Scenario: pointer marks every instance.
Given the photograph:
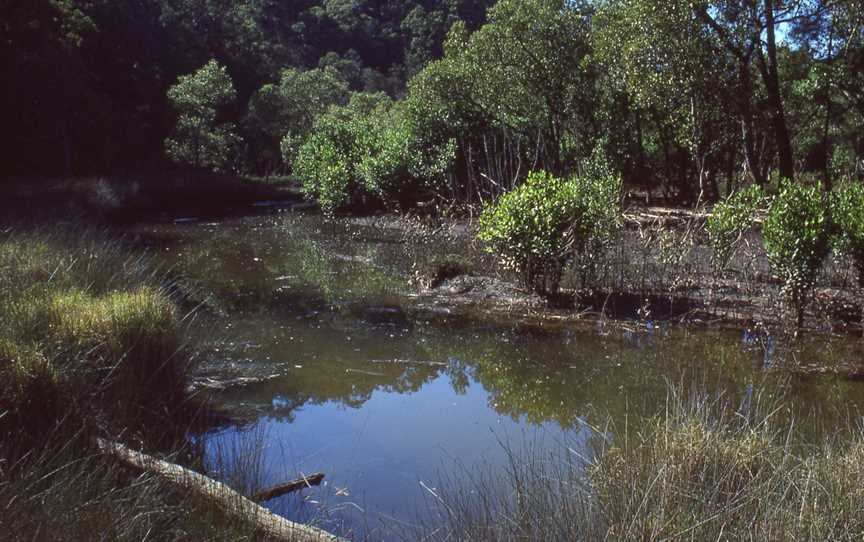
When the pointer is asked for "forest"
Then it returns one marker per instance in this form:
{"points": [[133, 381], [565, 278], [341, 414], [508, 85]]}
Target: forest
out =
{"points": [[689, 100]]}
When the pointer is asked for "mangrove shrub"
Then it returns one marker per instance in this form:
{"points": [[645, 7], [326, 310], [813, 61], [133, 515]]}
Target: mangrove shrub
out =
{"points": [[363, 152], [797, 239], [848, 214], [200, 137], [542, 225], [730, 219], [281, 115]]}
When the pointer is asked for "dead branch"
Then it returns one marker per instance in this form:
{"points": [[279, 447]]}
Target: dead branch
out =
{"points": [[236, 505], [288, 487]]}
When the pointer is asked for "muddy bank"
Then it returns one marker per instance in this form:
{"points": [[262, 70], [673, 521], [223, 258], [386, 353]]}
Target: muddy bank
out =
{"points": [[234, 245], [658, 269]]}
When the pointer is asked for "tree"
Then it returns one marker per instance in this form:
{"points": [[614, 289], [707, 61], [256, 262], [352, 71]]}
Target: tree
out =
{"points": [[747, 30], [533, 75], [515, 95], [47, 96], [201, 138], [286, 112]]}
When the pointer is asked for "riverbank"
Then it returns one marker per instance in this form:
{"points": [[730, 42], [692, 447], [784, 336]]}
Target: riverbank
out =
{"points": [[258, 271], [657, 268], [92, 350]]}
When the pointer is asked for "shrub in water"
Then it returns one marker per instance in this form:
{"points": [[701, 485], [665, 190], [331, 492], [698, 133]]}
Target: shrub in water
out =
{"points": [[797, 238], [730, 219], [540, 227], [848, 213]]}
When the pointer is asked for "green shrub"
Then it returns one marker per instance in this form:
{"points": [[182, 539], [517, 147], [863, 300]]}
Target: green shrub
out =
{"points": [[797, 239], [200, 138], [848, 213], [354, 153], [546, 222], [730, 219], [363, 151]]}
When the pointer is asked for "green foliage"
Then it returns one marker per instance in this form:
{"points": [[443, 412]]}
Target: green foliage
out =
{"points": [[847, 207], [280, 116], [546, 222], [797, 238], [518, 90], [730, 219], [200, 137], [362, 151]]}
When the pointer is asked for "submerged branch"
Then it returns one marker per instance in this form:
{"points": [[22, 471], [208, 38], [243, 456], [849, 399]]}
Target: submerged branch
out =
{"points": [[288, 487]]}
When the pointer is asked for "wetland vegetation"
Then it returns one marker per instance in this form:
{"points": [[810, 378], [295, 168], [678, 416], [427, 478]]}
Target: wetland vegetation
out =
{"points": [[502, 270]]}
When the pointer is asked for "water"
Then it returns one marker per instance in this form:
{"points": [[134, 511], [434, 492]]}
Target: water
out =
{"points": [[388, 403]]}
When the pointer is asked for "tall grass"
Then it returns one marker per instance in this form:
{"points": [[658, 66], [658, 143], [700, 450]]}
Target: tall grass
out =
{"points": [[90, 345], [59, 493], [704, 470], [87, 333]]}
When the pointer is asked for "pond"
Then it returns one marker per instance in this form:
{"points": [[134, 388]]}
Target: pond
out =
{"points": [[344, 375]]}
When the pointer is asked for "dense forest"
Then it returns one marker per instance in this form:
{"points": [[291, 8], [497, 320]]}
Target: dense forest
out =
{"points": [[460, 99], [86, 81]]}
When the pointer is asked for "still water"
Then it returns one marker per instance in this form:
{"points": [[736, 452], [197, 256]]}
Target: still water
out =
{"points": [[391, 403]]}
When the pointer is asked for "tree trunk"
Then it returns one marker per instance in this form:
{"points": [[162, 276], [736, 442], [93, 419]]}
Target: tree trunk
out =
{"points": [[746, 111], [772, 86], [826, 128], [641, 163]]}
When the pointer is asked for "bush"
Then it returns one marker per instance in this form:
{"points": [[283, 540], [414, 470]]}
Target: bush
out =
{"points": [[730, 219], [281, 115], [200, 138], [848, 213], [363, 151], [797, 239], [546, 222], [354, 153]]}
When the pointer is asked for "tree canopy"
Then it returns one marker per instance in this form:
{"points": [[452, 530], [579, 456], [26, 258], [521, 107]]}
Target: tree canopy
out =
{"points": [[690, 99]]}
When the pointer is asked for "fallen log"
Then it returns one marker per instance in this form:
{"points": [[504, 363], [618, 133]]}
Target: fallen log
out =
{"points": [[288, 487], [231, 502]]}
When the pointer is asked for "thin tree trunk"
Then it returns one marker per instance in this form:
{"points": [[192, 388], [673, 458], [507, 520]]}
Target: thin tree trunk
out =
{"points": [[772, 86], [826, 142]]}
